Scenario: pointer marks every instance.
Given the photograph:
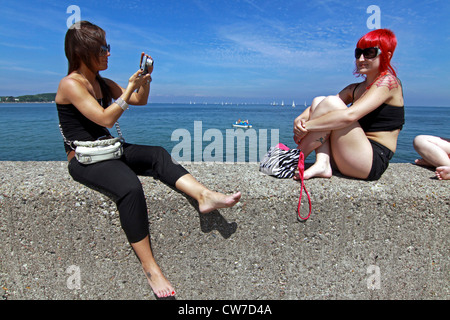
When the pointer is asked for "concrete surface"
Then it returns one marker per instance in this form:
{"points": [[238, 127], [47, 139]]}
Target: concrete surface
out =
{"points": [[365, 240]]}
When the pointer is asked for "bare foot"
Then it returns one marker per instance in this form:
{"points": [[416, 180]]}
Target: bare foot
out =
{"points": [[443, 173], [422, 162], [159, 284], [319, 170], [212, 200]]}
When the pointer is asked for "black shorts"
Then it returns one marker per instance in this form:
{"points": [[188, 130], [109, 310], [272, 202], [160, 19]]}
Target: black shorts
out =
{"points": [[380, 162]]}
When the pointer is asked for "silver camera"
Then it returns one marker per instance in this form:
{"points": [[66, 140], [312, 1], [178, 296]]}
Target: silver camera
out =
{"points": [[146, 63]]}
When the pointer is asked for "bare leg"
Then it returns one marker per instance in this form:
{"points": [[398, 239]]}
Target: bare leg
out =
{"points": [[322, 167], [318, 141], [207, 200], [159, 284], [434, 151], [343, 145]]}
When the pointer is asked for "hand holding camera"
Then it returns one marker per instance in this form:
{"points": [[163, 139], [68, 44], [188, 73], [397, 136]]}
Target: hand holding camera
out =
{"points": [[146, 64], [145, 68]]}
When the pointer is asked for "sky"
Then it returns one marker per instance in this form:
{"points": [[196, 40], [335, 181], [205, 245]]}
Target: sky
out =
{"points": [[230, 51]]}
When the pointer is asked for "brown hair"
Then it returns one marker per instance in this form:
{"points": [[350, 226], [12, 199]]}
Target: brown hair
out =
{"points": [[82, 44]]}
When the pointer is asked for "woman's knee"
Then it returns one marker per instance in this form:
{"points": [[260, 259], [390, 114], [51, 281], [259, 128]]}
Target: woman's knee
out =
{"points": [[134, 191], [419, 141], [334, 102], [327, 104], [316, 101]]}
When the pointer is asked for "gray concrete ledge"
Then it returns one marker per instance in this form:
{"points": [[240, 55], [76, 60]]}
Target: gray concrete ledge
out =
{"points": [[365, 240]]}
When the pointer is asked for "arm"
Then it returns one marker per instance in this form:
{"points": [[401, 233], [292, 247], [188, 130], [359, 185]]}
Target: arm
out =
{"points": [[77, 94], [304, 116], [346, 95], [380, 92], [139, 98], [135, 98], [299, 124]]}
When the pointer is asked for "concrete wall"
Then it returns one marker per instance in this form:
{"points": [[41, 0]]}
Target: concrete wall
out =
{"points": [[365, 240]]}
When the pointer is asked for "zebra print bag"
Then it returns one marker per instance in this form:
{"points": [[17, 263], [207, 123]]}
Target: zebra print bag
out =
{"points": [[281, 162]]}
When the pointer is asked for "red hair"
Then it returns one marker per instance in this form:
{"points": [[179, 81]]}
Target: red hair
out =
{"points": [[384, 39]]}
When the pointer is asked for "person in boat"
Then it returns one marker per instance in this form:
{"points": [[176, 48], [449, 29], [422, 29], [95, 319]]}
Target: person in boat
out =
{"points": [[359, 139], [85, 110]]}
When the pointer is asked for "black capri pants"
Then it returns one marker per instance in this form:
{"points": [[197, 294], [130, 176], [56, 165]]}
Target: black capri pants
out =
{"points": [[118, 180]]}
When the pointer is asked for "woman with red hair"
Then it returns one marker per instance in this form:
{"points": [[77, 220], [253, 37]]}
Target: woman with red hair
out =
{"points": [[357, 129]]}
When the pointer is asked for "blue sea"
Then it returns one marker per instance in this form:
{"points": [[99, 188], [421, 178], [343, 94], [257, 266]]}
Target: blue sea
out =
{"points": [[30, 132]]}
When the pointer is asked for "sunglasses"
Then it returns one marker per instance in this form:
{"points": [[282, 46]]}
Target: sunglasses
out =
{"points": [[369, 53], [104, 50]]}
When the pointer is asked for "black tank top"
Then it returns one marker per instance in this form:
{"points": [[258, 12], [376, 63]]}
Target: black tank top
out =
{"points": [[75, 126], [384, 118]]}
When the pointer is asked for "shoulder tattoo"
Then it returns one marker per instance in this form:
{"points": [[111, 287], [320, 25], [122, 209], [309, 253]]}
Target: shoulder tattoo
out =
{"points": [[388, 81]]}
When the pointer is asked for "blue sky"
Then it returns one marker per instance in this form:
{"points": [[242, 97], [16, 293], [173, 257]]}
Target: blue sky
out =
{"points": [[236, 50]]}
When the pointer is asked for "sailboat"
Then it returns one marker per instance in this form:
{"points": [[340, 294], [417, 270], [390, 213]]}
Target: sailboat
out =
{"points": [[293, 104]]}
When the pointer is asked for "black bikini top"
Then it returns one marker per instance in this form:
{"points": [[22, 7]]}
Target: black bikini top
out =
{"points": [[384, 118]]}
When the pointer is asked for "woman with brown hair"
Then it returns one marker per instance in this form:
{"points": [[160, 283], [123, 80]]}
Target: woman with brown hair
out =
{"points": [[85, 110]]}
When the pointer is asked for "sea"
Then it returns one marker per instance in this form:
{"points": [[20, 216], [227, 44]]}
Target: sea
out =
{"points": [[193, 131]]}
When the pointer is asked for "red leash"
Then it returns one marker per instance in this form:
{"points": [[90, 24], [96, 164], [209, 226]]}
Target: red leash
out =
{"points": [[301, 171]]}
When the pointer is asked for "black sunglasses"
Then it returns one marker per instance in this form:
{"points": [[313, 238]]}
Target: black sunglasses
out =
{"points": [[104, 50], [369, 53]]}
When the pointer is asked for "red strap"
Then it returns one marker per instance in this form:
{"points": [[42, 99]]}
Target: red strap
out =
{"points": [[301, 171]]}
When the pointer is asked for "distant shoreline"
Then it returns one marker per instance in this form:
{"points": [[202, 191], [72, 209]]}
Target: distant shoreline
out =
{"points": [[23, 102], [32, 98]]}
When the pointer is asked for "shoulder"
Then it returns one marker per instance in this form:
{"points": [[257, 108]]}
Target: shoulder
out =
{"points": [[351, 88], [71, 82], [346, 94], [388, 81], [67, 86]]}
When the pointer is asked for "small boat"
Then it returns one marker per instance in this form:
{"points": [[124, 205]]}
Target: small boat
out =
{"points": [[242, 124]]}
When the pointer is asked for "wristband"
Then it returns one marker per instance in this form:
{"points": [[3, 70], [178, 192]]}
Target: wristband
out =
{"points": [[122, 104]]}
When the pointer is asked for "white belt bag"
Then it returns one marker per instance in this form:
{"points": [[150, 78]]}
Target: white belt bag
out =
{"points": [[89, 152]]}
